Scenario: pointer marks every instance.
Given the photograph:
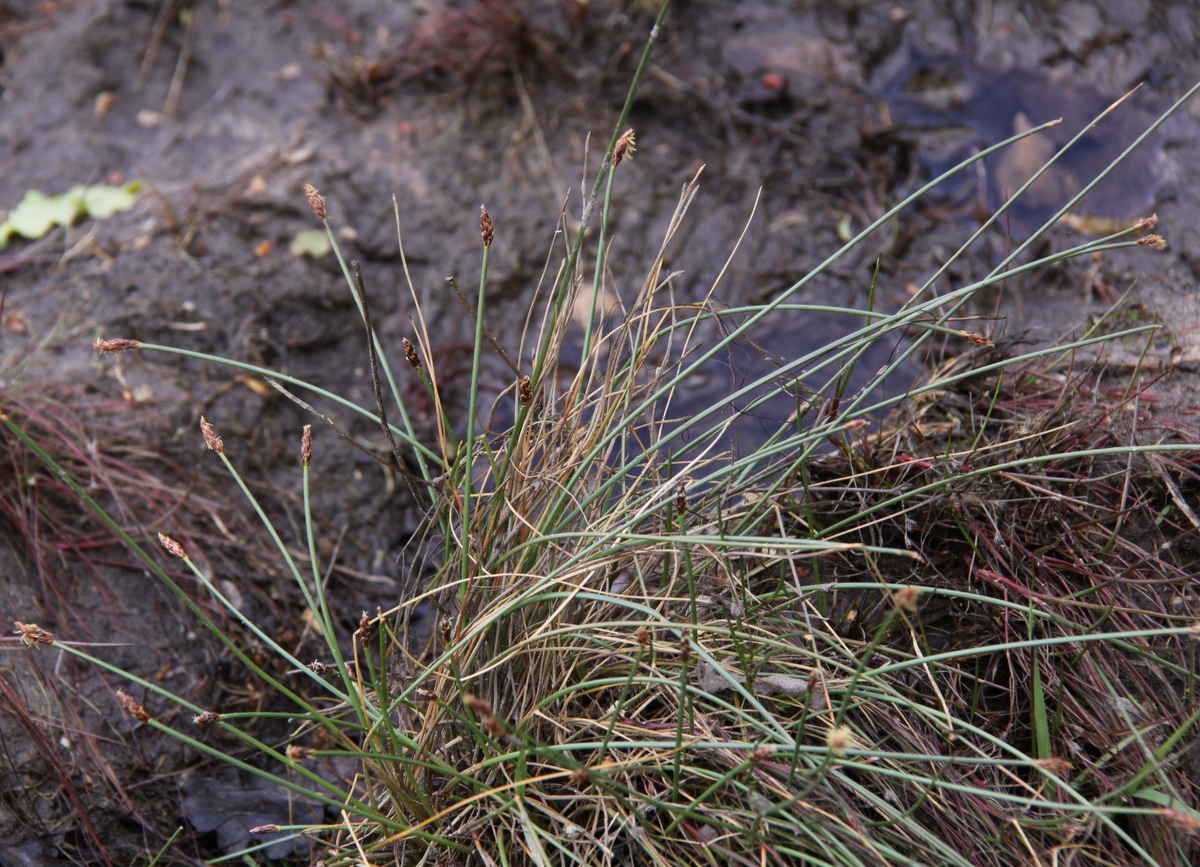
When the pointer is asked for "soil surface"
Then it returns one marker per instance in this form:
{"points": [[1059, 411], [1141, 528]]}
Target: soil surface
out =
{"points": [[809, 119]]}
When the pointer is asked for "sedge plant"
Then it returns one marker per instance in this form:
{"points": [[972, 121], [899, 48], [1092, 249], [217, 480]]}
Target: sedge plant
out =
{"points": [[947, 639]]}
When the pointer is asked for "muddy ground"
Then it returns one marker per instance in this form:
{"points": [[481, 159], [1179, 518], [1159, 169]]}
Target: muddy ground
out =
{"points": [[825, 113]]}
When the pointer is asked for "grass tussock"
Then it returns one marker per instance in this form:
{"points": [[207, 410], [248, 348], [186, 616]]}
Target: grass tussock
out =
{"points": [[985, 657], [964, 636]]}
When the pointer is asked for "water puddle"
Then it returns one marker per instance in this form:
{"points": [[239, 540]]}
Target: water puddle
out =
{"points": [[954, 110], [786, 335]]}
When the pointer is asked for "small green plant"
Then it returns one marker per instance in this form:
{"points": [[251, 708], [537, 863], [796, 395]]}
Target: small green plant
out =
{"points": [[36, 214], [918, 645]]}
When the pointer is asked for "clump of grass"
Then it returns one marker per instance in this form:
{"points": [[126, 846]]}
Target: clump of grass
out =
{"points": [[966, 637]]}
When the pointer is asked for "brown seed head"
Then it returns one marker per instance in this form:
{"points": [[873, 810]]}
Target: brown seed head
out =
{"points": [[1155, 241], [410, 352], [494, 727], [481, 706], [680, 498], [211, 439], [306, 445], [172, 546], [317, 202], [426, 694], [643, 636], [258, 830], [318, 667], [526, 390], [906, 599], [625, 147], [1146, 223], [1187, 822], [685, 652], [811, 683], [132, 706], [976, 338], [116, 344], [205, 718], [580, 777], [32, 634], [297, 753], [445, 628], [364, 630], [485, 226]]}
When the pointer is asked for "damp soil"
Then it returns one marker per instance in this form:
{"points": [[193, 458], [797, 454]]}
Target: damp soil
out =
{"points": [[807, 119]]}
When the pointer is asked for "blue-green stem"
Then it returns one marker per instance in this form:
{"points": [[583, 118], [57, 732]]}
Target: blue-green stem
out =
{"points": [[569, 271], [322, 610], [409, 440], [598, 276], [469, 443], [383, 358]]}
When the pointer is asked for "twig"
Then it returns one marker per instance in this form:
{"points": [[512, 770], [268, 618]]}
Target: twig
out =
{"points": [[374, 356], [492, 340], [156, 37], [387, 431], [181, 65]]}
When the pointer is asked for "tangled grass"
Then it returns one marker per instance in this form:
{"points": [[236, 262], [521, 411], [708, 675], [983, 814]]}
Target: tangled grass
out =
{"points": [[966, 636]]}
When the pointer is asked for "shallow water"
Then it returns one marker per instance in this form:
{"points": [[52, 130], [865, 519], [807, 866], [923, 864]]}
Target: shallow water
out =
{"points": [[956, 109]]}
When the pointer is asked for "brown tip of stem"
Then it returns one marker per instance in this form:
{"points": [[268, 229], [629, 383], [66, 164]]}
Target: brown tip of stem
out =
{"points": [[976, 338], [625, 147], [494, 727], [364, 630], [526, 390], [1155, 241], [306, 445], [906, 599], [211, 439], [116, 344], [316, 201], [485, 226], [205, 718], [481, 706], [32, 634], [410, 352], [132, 706], [172, 546]]}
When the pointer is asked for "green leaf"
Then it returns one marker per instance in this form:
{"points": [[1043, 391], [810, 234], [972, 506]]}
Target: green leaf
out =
{"points": [[1154, 796], [101, 202], [312, 242], [36, 213]]}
